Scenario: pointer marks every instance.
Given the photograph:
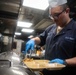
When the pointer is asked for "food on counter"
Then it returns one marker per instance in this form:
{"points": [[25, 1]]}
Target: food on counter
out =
{"points": [[38, 53]]}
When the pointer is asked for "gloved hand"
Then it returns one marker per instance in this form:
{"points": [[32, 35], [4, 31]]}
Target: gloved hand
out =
{"points": [[30, 45], [57, 60]]}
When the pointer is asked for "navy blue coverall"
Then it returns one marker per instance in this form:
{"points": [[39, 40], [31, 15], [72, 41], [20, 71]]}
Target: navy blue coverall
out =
{"points": [[61, 45]]}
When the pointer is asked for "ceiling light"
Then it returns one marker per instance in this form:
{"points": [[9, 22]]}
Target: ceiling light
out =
{"points": [[27, 30], [24, 24], [38, 4], [17, 33]]}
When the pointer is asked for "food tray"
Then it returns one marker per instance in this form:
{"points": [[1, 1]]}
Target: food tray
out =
{"points": [[42, 64]]}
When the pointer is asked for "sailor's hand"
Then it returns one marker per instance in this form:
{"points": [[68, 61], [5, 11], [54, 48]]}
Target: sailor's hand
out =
{"points": [[30, 45], [57, 60]]}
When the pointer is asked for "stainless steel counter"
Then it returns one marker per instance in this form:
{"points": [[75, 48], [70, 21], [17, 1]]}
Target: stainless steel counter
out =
{"points": [[11, 64]]}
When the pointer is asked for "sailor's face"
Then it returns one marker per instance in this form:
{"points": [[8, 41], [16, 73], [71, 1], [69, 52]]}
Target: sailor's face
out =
{"points": [[57, 14]]}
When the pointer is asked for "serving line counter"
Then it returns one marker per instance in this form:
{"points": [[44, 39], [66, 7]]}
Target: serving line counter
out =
{"points": [[11, 64]]}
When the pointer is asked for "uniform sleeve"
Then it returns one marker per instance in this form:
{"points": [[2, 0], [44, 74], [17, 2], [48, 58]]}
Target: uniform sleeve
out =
{"points": [[75, 41], [43, 35]]}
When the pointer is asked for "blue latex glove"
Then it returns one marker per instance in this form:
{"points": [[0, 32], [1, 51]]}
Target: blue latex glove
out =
{"points": [[57, 60], [30, 45]]}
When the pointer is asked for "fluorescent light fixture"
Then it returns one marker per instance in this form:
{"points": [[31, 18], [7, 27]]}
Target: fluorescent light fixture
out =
{"points": [[27, 30], [17, 33], [24, 24], [38, 4]]}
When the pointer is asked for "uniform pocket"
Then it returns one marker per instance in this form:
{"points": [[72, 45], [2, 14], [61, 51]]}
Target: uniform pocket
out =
{"points": [[69, 40]]}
